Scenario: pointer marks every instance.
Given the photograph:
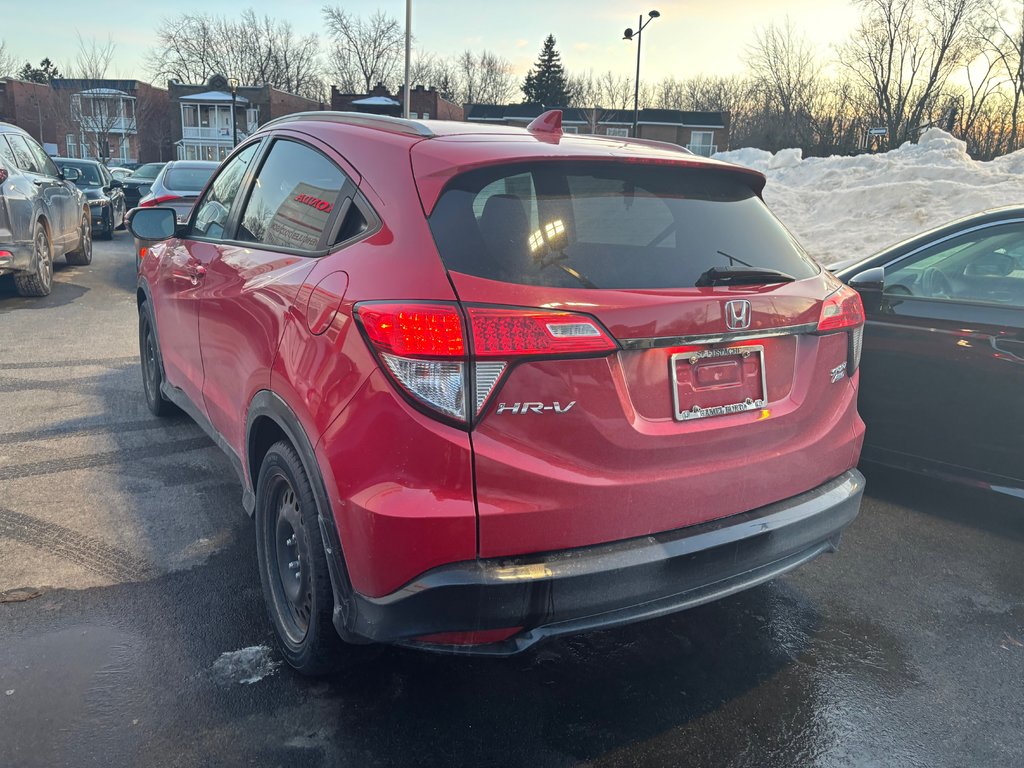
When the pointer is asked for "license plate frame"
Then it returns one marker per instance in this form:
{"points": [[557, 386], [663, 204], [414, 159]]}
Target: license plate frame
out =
{"points": [[695, 356]]}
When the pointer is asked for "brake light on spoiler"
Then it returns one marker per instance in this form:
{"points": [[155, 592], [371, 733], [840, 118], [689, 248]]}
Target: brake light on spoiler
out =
{"points": [[451, 363], [158, 201]]}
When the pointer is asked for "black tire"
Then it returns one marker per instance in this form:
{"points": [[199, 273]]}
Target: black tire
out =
{"points": [[108, 227], [293, 567], [82, 256], [39, 282], [152, 365]]}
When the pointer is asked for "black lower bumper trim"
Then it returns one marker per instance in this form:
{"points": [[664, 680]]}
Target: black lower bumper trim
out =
{"points": [[607, 585]]}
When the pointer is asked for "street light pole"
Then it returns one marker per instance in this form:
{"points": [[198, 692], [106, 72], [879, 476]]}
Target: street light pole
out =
{"points": [[233, 82], [629, 35], [408, 50]]}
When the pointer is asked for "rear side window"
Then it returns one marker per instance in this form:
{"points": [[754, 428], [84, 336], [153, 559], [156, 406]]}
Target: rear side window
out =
{"points": [[608, 225], [23, 157], [187, 179], [293, 198]]}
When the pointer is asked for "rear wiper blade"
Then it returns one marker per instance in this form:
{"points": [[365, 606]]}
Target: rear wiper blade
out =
{"points": [[741, 275]]}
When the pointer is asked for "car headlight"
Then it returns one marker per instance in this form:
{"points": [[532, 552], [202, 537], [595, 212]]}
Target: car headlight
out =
{"points": [[100, 201]]}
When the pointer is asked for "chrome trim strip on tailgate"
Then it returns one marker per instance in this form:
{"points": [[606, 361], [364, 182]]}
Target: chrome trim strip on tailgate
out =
{"points": [[657, 342]]}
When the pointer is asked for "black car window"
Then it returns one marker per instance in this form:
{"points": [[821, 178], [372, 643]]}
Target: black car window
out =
{"points": [[89, 175], [147, 172], [7, 156], [292, 200], [608, 225], [43, 162], [212, 211], [187, 178], [984, 266], [23, 156]]}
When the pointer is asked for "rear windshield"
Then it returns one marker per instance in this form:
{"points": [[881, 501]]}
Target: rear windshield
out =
{"points": [[607, 225], [187, 179], [147, 171]]}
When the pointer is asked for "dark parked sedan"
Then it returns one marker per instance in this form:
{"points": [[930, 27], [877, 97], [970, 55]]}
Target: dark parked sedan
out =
{"points": [[943, 363], [137, 185], [104, 193]]}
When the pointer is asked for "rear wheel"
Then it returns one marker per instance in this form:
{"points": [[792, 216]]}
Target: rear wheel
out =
{"points": [[293, 566], [152, 366], [39, 282], [82, 256]]}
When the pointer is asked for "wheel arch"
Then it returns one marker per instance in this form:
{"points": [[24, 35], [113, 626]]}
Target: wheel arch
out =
{"points": [[271, 419]]}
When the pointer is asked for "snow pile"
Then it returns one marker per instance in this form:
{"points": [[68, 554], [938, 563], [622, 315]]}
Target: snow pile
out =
{"points": [[246, 666], [845, 207]]}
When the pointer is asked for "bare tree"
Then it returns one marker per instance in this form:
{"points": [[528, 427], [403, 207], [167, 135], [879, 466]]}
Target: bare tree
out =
{"points": [[784, 69], [364, 52], [1004, 39], [485, 78], [904, 52], [93, 59], [8, 62], [256, 50]]}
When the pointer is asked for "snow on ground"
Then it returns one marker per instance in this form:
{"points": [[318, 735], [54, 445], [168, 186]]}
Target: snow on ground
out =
{"points": [[845, 207], [245, 666]]}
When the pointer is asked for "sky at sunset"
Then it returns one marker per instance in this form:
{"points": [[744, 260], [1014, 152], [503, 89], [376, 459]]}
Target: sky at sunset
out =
{"points": [[690, 37]]}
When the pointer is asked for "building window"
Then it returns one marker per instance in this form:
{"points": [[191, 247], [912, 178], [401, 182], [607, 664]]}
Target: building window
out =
{"points": [[702, 143], [252, 119], [570, 129], [426, 115], [624, 132], [72, 144], [414, 115], [189, 116]]}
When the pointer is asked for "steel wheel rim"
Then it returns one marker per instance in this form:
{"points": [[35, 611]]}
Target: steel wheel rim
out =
{"points": [[289, 560], [45, 268]]}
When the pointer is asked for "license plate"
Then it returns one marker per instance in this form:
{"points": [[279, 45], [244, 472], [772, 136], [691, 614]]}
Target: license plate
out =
{"points": [[717, 382]]}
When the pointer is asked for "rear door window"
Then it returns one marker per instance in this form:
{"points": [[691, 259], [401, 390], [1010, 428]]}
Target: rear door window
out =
{"points": [[293, 199], [608, 225]]}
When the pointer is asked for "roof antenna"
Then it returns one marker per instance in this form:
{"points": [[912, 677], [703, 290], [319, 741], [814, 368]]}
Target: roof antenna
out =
{"points": [[549, 122]]}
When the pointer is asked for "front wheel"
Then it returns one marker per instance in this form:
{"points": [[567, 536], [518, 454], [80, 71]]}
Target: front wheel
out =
{"points": [[152, 366], [293, 565], [108, 226]]}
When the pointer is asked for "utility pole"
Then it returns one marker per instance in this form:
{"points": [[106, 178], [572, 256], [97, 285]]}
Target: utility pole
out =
{"points": [[629, 34], [408, 52]]}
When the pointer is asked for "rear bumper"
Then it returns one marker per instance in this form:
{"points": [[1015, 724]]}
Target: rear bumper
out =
{"points": [[20, 259], [571, 591]]}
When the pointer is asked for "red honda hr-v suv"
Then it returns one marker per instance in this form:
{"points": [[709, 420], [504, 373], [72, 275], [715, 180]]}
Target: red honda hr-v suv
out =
{"points": [[488, 385]]}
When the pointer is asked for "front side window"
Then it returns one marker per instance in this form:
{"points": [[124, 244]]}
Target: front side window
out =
{"points": [[291, 202], [608, 225], [985, 266], [212, 212]]}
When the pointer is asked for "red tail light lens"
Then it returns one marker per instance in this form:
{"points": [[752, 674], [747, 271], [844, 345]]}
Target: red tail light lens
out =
{"points": [[3, 175], [424, 348], [843, 309], [158, 201], [514, 332]]}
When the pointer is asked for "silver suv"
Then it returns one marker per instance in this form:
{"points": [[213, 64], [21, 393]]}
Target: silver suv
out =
{"points": [[43, 215]]}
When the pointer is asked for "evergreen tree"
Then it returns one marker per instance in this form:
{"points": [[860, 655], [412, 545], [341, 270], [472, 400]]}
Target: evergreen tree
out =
{"points": [[546, 82], [44, 73]]}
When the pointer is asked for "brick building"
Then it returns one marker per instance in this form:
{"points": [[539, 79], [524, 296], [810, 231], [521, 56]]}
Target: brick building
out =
{"points": [[202, 114], [115, 120], [703, 133], [424, 103]]}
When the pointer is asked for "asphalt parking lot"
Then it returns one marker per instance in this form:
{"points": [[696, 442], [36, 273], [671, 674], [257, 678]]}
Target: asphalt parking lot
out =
{"points": [[132, 628]]}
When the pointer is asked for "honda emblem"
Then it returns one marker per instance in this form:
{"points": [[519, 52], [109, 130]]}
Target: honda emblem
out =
{"points": [[737, 315]]}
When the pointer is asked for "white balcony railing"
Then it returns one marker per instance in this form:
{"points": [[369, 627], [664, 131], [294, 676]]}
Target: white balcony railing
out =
{"points": [[704, 150], [207, 133], [108, 124]]}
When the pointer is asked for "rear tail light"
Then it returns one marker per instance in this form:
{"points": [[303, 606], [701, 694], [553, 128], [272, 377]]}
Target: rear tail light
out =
{"points": [[844, 311], [158, 201], [3, 175], [427, 351]]}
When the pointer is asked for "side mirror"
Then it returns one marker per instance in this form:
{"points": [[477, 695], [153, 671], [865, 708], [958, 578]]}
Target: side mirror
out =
{"points": [[152, 223], [70, 174], [869, 280], [116, 184]]}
